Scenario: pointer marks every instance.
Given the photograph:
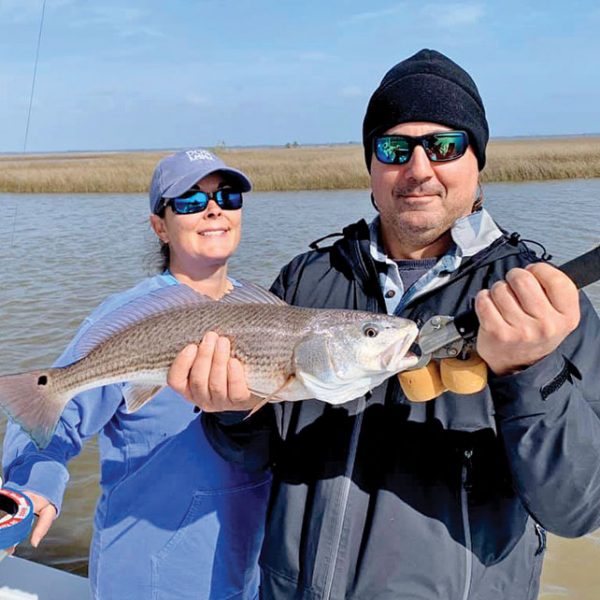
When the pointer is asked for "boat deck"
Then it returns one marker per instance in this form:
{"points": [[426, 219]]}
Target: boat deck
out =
{"points": [[25, 580]]}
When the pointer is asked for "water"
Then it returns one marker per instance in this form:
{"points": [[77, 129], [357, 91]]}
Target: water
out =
{"points": [[62, 254]]}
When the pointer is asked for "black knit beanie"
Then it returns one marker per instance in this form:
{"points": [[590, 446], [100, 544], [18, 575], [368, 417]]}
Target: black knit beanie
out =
{"points": [[427, 87]]}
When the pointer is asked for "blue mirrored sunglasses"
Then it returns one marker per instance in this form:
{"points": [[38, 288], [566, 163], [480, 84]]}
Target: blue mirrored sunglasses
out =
{"points": [[439, 147], [195, 201]]}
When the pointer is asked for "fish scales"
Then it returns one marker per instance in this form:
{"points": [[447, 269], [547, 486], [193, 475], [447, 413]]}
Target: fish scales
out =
{"points": [[288, 353], [152, 344]]}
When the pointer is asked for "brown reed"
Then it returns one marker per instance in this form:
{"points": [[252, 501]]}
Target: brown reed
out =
{"points": [[289, 168]]}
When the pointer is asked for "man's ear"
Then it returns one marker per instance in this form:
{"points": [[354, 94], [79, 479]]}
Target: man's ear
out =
{"points": [[478, 204], [158, 225]]}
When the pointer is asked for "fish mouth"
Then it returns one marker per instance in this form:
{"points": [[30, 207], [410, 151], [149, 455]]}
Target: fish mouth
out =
{"points": [[398, 356]]}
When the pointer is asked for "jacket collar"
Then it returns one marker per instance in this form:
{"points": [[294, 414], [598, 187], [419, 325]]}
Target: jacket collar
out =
{"points": [[470, 235], [477, 240]]}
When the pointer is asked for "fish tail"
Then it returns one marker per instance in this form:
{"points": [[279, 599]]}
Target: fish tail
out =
{"points": [[30, 400]]}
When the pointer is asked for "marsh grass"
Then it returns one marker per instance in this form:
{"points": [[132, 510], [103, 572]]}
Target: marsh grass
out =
{"points": [[294, 168], [543, 158]]}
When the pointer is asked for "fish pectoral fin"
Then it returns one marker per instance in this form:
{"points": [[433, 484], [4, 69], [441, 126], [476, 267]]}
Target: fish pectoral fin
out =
{"points": [[136, 395], [271, 397], [256, 408]]}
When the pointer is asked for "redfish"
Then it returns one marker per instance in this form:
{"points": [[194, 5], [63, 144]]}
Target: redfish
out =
{"points": [[289, 353]]}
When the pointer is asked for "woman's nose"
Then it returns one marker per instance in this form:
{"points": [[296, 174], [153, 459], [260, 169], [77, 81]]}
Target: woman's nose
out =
{"points": [[212, 209]]}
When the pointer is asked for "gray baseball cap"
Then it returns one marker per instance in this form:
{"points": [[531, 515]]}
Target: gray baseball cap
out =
{"points": [[176, 174]]}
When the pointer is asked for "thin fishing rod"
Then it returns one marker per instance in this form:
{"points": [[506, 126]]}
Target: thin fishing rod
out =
{"points": [[35, 66]]}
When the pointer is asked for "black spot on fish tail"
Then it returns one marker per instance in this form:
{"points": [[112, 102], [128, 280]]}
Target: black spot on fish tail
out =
{"points": [[29, 400]]}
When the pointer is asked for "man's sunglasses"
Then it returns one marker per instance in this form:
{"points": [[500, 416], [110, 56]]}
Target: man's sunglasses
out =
{"points": [[195, 201], [439, 147]]}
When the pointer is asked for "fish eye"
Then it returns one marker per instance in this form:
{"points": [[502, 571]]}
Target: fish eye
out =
{"points": [[370, 331]]}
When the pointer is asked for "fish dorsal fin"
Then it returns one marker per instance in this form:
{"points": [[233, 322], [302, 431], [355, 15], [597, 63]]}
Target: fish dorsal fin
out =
{"points": [[163, 300], [148, 305], [136, 395], [250, 293]]}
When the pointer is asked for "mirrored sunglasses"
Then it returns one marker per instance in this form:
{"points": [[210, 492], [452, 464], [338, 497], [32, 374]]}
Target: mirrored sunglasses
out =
{"points": [[439, 147], [195, 201]]}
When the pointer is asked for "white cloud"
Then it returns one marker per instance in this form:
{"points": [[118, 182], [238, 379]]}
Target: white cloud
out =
{"points": [[17, 10], [453, 15], [142, 31], [197, 100], [594, 14], [351, 91], [126, 21], [316, 56], [24, 11], [374, 15], [440, 14], [108, 15]]}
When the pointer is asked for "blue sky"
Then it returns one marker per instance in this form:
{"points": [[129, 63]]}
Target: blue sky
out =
{"points": [[148, 74]]}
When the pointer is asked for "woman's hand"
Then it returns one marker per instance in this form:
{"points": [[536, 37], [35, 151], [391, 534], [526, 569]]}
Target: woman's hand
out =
{"points": [[208, 376], [525, 317], [46, 513]]}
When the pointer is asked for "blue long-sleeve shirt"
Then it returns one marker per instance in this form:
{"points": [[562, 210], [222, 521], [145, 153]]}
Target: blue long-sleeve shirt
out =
{"points": [[174, 520]]}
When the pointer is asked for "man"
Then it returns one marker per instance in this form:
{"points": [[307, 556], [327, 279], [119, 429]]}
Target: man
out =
{"points": [[383, 498]]}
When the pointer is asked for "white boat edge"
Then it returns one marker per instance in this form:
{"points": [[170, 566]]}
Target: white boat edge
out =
{"points": [[22, 579]]}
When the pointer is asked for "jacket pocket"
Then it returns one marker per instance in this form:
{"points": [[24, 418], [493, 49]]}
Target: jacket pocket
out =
{"points": [[213, 554]]}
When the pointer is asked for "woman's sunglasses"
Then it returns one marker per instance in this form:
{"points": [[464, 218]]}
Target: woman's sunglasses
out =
{"points": [[439, 147], [195, 201]]}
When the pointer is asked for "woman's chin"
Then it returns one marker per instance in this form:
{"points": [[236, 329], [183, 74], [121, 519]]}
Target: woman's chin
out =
{"points": [[216, 254], [223, 246]]}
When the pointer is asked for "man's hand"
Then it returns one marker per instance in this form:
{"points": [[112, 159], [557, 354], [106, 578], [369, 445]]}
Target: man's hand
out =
{"points": [[525, 317], [207, 376], [46, 513]]}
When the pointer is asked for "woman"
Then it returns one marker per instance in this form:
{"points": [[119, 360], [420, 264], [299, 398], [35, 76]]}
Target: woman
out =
{"points": [[174, 520]]}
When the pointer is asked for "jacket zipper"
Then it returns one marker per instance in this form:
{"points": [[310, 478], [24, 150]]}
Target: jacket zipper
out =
{"points": [[466, 473], [465, 488], [343, 505], [541, 534], [346, 484]]}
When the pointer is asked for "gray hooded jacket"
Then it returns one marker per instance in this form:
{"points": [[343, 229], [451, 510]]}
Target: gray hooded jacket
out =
{"points": [[450, 499]]}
